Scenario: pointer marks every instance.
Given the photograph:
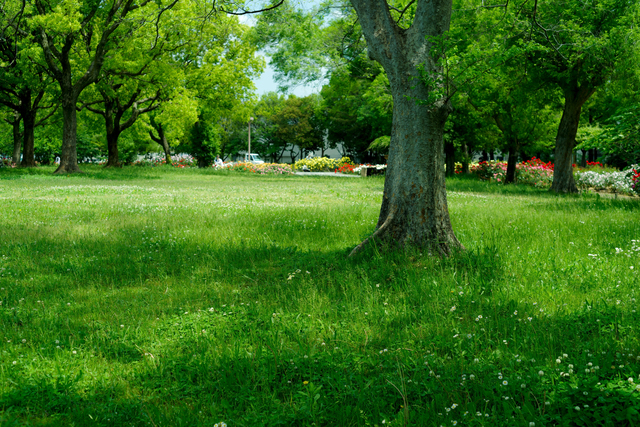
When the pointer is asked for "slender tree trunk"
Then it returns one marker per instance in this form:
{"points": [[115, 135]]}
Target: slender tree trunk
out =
{"points": [[113, 133], [450, 158], [69, 153], [17, 139], [465, 159], [28, 151], [512, 162], [161, 139], [574, 99]]}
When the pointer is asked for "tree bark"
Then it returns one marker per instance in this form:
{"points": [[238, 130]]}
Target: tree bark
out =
{"points": [[113, 133], [450, 158], [512, 162], [465, 156], [69, 153], [28, 151], [161, 139], [414, 206], [574, 99], [17, 138]]}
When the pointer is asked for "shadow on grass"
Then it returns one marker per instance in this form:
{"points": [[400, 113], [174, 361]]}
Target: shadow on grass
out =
{"points": [[249, 368], [199, 381]]}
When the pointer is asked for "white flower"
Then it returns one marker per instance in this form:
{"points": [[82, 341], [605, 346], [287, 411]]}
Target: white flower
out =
{"points": [[541, 373]]}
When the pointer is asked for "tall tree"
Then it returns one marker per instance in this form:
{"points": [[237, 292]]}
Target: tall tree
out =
{"points": [[75, 39], [23, 81], [414, 206]]}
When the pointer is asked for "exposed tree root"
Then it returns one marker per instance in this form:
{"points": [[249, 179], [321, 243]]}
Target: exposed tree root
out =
{"points": [[65, 169], [377, 234]]}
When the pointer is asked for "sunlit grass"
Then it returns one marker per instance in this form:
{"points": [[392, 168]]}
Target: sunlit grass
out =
{"points": [[167, 297]]}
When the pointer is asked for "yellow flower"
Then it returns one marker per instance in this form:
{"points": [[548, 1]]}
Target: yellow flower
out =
{"points": [[306, 382]]}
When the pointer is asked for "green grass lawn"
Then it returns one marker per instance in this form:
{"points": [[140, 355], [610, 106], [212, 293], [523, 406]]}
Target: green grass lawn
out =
{"points": [[167, 297]]}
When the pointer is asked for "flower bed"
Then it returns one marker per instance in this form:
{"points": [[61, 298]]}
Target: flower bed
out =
{"points": [[262, 169], [535, 172], [490, 170], [322, 164], [179, 161], [624, 182], [381, 168]]}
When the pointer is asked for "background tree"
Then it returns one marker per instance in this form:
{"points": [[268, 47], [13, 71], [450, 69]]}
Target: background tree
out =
{"points": [[297, 125], [23, 82], [577, 46]]}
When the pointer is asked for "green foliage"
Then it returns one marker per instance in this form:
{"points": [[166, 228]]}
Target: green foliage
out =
{"points": [[46, 147], [204, 143], [86, 148], [620, 138], [380, 144]]}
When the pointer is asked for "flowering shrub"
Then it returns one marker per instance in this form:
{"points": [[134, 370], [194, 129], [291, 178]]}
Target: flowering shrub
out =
{"points": [[532, 172], [490, 170], [322, 164], [346, 168], [625, 182], [535, 172]]}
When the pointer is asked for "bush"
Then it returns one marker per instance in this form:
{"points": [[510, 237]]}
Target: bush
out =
{"points": [[490, 170], [535, 172], [625, 182]]}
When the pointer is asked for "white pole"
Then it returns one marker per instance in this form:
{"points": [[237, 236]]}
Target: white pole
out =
{"points": [[250, 120]]}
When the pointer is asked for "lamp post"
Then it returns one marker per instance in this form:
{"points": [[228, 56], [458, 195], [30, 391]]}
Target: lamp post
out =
{"points": [[249, 155]]}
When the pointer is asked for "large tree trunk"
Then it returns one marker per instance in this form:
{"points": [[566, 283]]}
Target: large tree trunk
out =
{"points": [[512, 162], [574, 99], [113, 159], [414, 205], [450, 158], [69, 153], [17, 139]]}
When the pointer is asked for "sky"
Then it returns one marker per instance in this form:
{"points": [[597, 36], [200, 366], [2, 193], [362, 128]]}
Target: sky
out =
{"points": [[266, 83]]}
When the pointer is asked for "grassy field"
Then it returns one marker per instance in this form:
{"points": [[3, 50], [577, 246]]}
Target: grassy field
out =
{"points": [[164, 297]]}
